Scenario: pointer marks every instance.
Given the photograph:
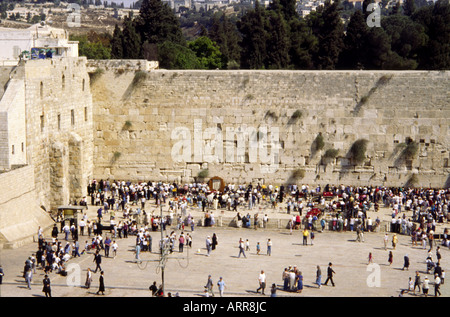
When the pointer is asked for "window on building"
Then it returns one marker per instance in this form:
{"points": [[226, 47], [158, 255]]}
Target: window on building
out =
{"points": [[23, 147], [12, 151], [59, 121], [41, 90], [42, 123], [63, 82], [82, 84], [85, 114]]}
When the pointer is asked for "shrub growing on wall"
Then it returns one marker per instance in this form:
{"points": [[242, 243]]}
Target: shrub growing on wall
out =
{"points": [[358, 151], [331, 153], [410, 150], [139, 77], [319, 143], [203, 174], [298, 174]]}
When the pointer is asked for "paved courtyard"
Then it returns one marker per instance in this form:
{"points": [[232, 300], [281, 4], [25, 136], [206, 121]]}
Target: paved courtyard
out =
{"points": [[186, 273]]}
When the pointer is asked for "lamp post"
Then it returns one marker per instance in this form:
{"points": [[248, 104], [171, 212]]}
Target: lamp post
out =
{"points": [[163, 253]]}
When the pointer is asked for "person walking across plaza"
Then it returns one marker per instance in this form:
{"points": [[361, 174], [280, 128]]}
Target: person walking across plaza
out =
{"points": [[209, 286], [88, 279], [46, 288], [137, 251], [114, 247], [241, 248], [262, 282], [107, 246], [437, 284], [221, 286], [319, 277], [330, 273], [390, 258], [417, 282], [305, 236], [98, 261], [269, 247], [101, 285], [406, 263], [426, 286], [394, 241], [208, 245], [215, 242]]}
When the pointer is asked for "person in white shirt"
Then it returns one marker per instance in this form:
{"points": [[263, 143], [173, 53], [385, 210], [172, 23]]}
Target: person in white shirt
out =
{"points": [[262, 282], [426, 286], [437, 284], [114, 248]]}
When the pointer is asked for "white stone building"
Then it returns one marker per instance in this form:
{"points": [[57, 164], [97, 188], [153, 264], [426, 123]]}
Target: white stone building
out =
{"points": [[39, 39]]}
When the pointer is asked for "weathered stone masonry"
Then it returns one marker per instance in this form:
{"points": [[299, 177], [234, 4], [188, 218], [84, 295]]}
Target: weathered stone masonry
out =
{"points": [[47, 124], [134, 122]]}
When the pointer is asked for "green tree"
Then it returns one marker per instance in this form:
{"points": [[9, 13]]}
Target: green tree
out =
{"points": [[176, 56], [354, 53], [435, 55], [329, 29], [91, 48], [117, 43], [409, 7], [157, 23], [131, 41], [377, 49], [303, 45], [277, 42], [288, 9], [407, 39], [254, 37], [207, 52], [225, 34]]}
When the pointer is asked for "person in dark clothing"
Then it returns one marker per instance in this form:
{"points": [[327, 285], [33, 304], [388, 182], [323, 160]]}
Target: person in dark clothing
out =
{"points": [[55, 232], [46, 289], [214, 241], [406, 263], [1, 274], [153, 288], [98, 261], [330, 273], [438, 270], [101, 287]]}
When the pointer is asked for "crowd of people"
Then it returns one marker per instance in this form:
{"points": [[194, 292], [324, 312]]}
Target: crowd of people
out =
{"points": [[346, 207]]}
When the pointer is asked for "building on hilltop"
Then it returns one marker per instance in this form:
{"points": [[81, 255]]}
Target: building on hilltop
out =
{"points": [[38, 41]]}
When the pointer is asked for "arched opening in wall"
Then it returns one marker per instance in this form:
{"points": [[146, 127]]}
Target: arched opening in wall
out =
{"points": [[63, 82], [41, 90], [82, 84]]}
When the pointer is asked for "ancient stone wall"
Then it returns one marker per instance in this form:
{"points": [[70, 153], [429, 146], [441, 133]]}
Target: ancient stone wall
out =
{"points": [[12, 120], [261, 126], [59, 127], [20, 213]]}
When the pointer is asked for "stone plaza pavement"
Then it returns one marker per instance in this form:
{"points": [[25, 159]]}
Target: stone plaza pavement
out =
{"points": [[186, 273]]}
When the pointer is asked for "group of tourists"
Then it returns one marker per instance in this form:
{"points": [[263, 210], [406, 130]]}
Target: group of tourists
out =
{"points": [[346, 205]]}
